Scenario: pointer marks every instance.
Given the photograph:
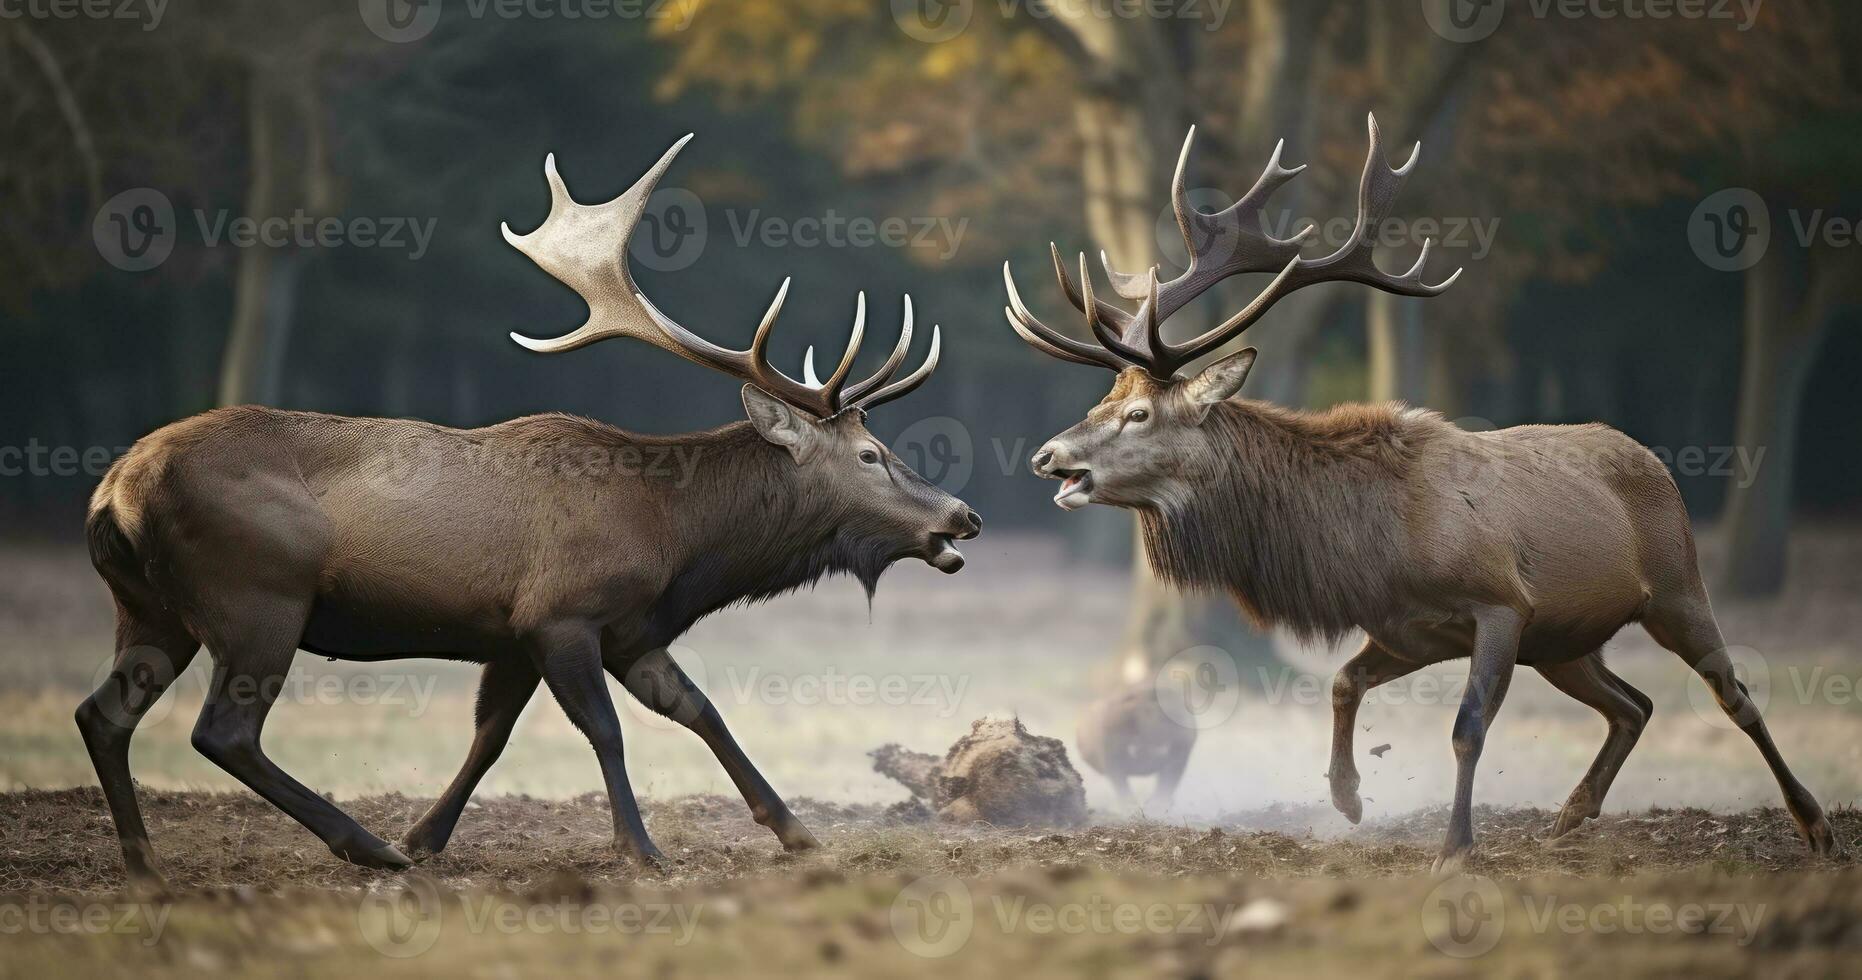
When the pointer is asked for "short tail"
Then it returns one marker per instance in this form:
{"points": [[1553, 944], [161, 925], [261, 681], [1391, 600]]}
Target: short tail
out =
{"points": [[109, 546]]}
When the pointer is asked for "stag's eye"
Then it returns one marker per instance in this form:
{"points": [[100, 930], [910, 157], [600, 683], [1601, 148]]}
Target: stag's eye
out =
{"points": [[868, 457], [1137, 415]]}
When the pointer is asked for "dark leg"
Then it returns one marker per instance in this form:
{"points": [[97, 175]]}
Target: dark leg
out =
{"points": [[1686, 626], [249, 666], [1623, 707], [1374, 665], [656, 680], [571, 666], [150, 656], [1169, 776], [503, 691], [1496, 645]]}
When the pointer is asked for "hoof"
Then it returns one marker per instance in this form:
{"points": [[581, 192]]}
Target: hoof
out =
{"points": [[1345, 800], [643, 859], [1449, 864], [147, 885], [421, 844], [380, 855], [1568, 821], [1821, 838], [798, 839]]}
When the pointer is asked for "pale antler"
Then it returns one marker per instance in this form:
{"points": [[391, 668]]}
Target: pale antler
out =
{"points": [[585, 247], [1223, 244]]}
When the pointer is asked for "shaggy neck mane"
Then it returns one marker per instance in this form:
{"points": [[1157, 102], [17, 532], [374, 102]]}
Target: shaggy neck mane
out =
{"points": [[749, 530], [1299, 516]]}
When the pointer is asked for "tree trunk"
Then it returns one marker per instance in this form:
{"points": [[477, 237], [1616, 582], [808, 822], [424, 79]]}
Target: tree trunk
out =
{"points": [[1780, 345], [1396, 348], [286, 169], [1131, 114]]}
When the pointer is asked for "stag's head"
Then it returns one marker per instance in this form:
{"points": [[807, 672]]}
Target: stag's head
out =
{"points": [[819, 425], [1143, 443]]}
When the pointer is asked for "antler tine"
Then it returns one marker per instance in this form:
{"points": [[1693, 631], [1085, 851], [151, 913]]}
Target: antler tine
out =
{"points": [[859, 389], [1377, 194], [577, 243], [906, 385], [1352, 262], [1230, 242], [1109, 337], [1048, 340], [832, 387], [1223, 244], [585, 247], [1106, 311], [1125, 284]]}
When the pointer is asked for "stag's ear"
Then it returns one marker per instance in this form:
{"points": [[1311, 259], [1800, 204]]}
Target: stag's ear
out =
{"points": [[1218, 382], [782, 424]]}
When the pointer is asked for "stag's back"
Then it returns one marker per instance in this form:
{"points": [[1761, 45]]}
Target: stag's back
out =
{"points": [[1579, 520]]}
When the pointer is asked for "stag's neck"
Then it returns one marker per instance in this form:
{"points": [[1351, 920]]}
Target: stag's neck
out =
{"points": [[744, 528], [1299, 516]]}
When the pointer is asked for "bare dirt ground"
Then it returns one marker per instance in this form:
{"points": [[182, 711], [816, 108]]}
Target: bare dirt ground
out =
{"points": [[1692, 869], [530, 885]]}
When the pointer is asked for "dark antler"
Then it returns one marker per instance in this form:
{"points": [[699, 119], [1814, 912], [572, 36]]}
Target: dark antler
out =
{"points": [[1223, 244]]}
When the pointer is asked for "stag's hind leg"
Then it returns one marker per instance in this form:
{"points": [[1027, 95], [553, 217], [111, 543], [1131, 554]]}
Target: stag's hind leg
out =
{"points": [[1374, 665], [251, 660], [1684, 624], [150, 653], [1626, 710], [658, 682]]}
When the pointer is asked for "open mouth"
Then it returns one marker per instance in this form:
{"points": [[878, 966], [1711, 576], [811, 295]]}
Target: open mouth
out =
{"points": [[943, 554], [1076, 489]]}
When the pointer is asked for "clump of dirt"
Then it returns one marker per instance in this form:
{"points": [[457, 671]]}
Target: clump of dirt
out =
{"points": [[999, 773]]}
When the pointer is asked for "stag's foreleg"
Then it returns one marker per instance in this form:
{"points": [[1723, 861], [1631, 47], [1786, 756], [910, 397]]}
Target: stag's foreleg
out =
{"points": [[659, 683], [1685, 625], [1626, 710], [251, 660], [1490, 671], [503, 690], [570, 662], [1374, 665], [151, 653]]}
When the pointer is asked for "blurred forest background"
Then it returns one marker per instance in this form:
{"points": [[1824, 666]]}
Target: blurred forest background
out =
{"points": [[1590, 147]]}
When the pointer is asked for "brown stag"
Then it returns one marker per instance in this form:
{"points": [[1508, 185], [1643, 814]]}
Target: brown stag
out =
{"points": [[539, 548], [1531, 545]]}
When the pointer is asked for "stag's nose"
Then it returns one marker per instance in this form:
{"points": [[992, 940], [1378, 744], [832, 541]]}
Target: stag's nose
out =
{"points": [[972, 520], [1042, 460]]}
